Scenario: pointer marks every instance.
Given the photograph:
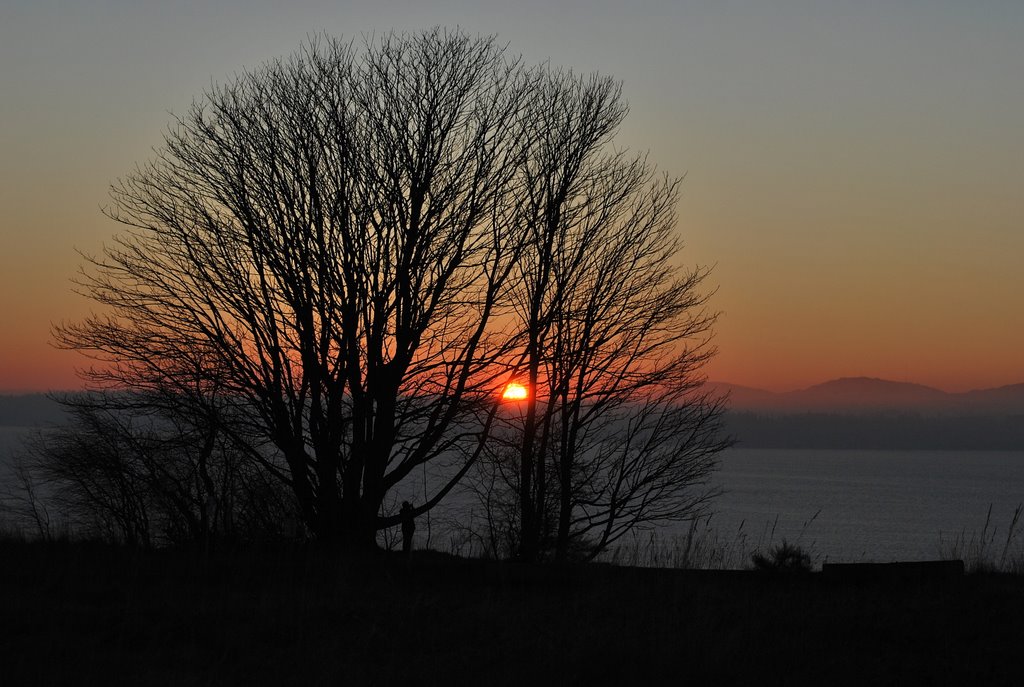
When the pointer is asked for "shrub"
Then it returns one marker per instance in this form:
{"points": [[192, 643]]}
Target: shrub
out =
{"points": [[785, 557]]}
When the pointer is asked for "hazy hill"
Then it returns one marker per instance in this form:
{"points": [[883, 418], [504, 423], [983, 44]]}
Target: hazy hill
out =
{"points": [[1005, 399], [867, 413], [860, 395]]}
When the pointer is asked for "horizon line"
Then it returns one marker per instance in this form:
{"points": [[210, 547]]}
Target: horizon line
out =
{"points": [[709, 381]]}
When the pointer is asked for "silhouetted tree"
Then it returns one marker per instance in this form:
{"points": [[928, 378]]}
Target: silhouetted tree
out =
{"points": [[615, 433], [326, 239], [135, 470], [351, 251]]}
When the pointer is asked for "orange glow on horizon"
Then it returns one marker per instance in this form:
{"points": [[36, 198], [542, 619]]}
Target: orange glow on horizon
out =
{"points": [[514, 391]]}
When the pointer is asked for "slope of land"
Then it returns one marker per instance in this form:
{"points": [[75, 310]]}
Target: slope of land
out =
{"points": [[95, 615]]}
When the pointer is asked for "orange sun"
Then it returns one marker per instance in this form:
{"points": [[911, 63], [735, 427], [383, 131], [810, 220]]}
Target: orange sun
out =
{"points": [[514, 392]]}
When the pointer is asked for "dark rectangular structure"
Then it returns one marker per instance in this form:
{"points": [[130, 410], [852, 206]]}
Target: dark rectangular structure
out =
{"points": [[915, 571]]}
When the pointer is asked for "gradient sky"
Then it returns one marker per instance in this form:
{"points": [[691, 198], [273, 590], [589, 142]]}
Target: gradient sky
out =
{"points": [[853, 169]]}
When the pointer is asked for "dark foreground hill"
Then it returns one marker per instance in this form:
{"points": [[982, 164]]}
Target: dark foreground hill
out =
{"points": [[75, 614]]}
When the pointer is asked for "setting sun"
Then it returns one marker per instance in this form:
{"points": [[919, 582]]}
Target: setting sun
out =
{"points": [[514, 391]]}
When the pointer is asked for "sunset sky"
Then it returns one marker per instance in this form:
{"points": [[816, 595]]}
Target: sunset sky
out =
{"points": [[853, 169]]}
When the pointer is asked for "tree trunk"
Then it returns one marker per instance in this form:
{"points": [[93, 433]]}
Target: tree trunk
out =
{"points": [[564, 518], [528, 540]]}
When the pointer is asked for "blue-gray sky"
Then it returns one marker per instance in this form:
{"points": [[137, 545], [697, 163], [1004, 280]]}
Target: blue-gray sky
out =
{"points": [[852, 168]]}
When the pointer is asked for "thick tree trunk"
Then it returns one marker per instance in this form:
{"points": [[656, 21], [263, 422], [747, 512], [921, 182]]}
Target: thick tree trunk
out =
{"points": [[359, 535]]}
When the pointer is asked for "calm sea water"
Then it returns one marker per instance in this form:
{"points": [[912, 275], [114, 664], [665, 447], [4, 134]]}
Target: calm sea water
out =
{"points": [[11, 441], [848, 506], [841, 505]]}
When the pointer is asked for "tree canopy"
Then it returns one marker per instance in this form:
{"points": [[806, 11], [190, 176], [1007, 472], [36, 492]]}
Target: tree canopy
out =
{"points": [[338, 259]]}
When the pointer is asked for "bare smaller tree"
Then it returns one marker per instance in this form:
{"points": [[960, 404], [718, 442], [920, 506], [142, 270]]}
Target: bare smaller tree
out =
{"points": [[122, 469], [615, 433]]}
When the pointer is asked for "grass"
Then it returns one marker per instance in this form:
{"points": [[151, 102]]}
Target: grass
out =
{"points": [[988, 550], [992, 549], [94, 614], [703, 547]]}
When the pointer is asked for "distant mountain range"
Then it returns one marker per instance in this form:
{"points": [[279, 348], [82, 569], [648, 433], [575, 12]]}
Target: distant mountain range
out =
{"points": [[860, 395]]}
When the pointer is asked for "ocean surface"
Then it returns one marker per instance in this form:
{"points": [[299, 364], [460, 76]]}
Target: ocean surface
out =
{"points": [[11, 444], [841, 506], [881, 506]]}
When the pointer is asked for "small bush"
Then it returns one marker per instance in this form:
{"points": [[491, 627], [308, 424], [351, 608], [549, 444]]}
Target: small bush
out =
{"points": [[785, 557]]}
